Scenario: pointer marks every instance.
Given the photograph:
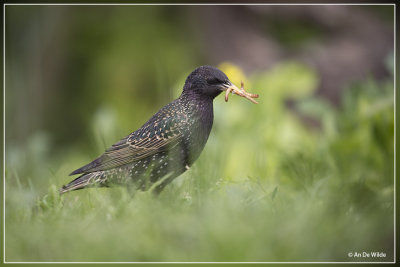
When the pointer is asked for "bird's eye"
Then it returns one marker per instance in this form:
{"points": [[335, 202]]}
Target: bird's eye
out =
{"points": [[214, 81]]}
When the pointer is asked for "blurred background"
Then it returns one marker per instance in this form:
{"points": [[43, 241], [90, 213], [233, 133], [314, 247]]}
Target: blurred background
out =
{"points": [[79, 78], [66, 62]]}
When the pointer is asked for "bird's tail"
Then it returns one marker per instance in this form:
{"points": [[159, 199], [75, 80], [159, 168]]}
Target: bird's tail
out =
{"points": [[79, 183]]}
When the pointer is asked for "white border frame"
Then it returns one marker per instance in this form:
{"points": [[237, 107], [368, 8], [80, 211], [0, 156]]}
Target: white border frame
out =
{"points": [[190, 4]]}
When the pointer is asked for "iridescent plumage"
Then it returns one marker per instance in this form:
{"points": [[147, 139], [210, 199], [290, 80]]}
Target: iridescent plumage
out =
{"points": [[166, 145]]}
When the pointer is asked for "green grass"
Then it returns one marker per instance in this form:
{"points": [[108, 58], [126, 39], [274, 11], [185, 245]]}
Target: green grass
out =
{"points": [[266, 188]]}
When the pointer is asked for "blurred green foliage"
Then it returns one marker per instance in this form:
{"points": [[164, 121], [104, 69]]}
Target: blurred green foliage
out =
{"points": [[294, 34], [267, 187], [63, 67]]}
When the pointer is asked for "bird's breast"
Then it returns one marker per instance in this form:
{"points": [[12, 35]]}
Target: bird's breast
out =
{"points": [[200, 121]]}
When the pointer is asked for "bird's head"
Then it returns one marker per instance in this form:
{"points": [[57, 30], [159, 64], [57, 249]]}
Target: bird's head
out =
{"points": [[209, 82]]}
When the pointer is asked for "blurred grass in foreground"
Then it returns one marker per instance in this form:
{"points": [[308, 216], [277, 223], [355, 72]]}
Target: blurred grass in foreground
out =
{"points": [[266, 188]]}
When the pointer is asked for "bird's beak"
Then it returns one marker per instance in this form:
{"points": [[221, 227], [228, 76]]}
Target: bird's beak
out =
{"points": [[240, 92]]}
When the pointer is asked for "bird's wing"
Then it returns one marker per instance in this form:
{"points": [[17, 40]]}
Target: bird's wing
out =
{"points": [[159, 135]]}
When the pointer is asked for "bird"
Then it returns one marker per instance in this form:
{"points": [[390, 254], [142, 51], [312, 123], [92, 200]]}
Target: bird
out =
{"points": [[166, 145]]}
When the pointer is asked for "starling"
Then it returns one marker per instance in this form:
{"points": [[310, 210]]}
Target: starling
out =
{"points": [[167, 144]]}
